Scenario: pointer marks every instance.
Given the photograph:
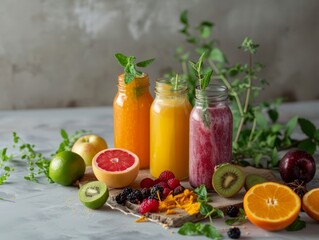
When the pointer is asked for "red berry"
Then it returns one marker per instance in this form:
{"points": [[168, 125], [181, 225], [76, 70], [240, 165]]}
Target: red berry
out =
{"points": [[149, 205], [166, 192], [166, 175], [147, 183], [156, 181], [173, 183], [162, 184]]}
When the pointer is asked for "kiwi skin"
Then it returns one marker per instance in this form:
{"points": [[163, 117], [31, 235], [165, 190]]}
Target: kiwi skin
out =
{"points": [[228, 174], [252, 180], [93, 194]]}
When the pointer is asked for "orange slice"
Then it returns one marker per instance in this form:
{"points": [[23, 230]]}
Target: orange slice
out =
{"points": [[310, 203], [116, 167], [271, 206]]}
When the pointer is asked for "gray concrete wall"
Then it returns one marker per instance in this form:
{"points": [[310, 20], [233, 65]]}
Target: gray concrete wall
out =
{"points": [[59, 53]]}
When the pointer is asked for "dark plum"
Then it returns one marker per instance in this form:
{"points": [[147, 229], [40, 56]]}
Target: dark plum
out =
{"points": [[297, 165]]}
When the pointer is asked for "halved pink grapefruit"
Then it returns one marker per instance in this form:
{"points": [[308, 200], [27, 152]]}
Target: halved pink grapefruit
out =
{"points": [[116, 167]]}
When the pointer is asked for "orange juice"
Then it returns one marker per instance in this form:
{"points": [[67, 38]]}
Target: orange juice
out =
{"points": [[169, 126], [131, 107]]}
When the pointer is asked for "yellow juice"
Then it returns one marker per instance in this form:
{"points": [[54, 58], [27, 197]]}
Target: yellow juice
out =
{"points": [[169, 134]]}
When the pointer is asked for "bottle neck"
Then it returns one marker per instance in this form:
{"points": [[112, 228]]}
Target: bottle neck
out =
{"points": [[139, 82], [164, 88], [212, 95]]}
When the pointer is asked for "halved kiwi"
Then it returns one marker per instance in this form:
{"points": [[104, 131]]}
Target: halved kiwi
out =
{"points": [[253, 179], [94, 194], [228, 179]]}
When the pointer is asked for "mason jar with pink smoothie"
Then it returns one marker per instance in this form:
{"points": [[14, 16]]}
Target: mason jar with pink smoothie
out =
{"points": [[210, 139]]}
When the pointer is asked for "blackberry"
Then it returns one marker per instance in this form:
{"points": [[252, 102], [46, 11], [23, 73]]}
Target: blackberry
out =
{"points": [[120, 198], [234, 233], [135, 196], [232, 211], [145, 192], [178, 190], [126, 191], [156, 191]]}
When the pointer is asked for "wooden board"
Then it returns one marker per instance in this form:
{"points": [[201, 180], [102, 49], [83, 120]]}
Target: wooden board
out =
{"points": [[181, 217]]}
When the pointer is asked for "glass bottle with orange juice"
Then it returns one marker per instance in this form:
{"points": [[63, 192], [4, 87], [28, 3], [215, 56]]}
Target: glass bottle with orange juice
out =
{"points": [[131, 108], [169, 129]]}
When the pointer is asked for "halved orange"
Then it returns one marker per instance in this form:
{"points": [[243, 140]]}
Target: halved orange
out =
{"points": [[271, 206], [310, 203]]}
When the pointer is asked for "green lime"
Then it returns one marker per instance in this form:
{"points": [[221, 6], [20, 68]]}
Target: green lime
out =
{"points": [[66, 167]]}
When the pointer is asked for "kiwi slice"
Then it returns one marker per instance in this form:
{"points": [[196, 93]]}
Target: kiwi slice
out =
{"points": [[228, 179], [94, 194], [252, 180]]}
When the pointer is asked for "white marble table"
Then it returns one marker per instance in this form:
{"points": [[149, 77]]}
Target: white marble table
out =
{"points": [[50, 211]]}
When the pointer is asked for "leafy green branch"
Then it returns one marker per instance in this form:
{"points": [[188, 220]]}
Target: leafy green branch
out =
{"points": [[257, 133], [206, 210], [37, 164]]}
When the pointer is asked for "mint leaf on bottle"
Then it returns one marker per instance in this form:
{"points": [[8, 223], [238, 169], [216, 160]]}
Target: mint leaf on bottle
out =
{"points": [[130, 71]]}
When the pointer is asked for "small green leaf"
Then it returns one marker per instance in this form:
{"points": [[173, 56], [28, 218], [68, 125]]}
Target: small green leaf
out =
{"points": [[211, 232], [217, 55], [291, 125], [205, 29], [121, 58], [316, 136], [189, 229], [296, 225], [64, 134], [260, 120], [184, 17], [205, 81], [307, 145], [249, 46], [307, 127], [273, 115], [145, 63], [128, 78]]}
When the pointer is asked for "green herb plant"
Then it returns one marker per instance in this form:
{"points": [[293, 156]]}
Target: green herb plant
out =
{"points": [[206, 210], [37, 164], [130, 68], [258, 136]]}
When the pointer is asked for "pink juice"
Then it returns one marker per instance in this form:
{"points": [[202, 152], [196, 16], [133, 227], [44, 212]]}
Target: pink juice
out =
{"points": [[210, 142]]}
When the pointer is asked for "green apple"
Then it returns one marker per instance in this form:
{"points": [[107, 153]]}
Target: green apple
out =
{"points": [[89, 145]]}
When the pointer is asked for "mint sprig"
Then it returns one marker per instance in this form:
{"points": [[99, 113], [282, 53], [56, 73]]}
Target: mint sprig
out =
{"points": [[193, 229], [206, 210], [130, 70], [203, 77]]}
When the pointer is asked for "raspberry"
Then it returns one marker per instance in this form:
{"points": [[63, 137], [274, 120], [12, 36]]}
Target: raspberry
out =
{"points": [[120, 198], [173, 183], [234, 233], [156, 181], [135, 196], [232, 211], [166, 192], [147, 183], [149, 205], [166, 175], [178, 190]]}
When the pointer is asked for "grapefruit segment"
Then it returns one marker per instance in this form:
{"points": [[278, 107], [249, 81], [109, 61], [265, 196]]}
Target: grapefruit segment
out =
{"points": [[116, 167]]}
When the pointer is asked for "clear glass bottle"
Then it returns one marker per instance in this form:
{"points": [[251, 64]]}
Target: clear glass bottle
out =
{"points": [[210, 143], [131, 108], [169, 126]]}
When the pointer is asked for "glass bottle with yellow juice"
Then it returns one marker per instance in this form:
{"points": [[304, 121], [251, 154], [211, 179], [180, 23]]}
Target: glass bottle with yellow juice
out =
{"points": [[169, 129]]}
